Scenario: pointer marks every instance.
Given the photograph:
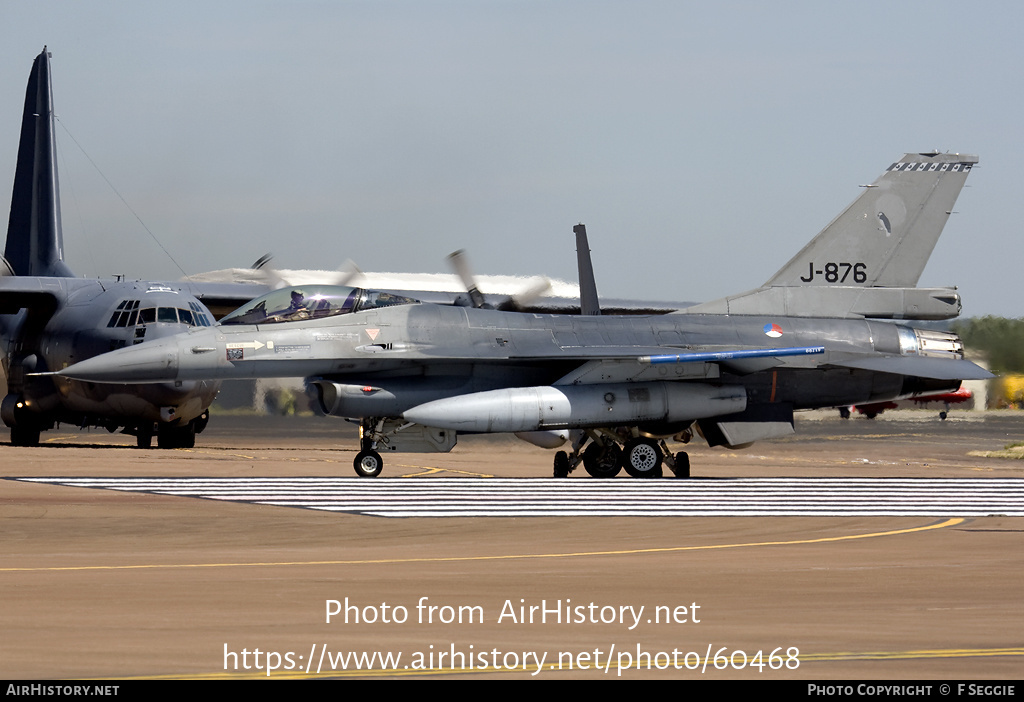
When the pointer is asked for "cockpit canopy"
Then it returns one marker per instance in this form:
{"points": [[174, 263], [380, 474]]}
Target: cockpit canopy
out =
{"points": [[297, 303]]}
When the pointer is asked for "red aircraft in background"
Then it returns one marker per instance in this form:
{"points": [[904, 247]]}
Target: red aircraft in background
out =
{"points": [[876, 408]]}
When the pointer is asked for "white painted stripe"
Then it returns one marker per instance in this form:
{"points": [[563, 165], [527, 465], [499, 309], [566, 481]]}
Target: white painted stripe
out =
{"points": [[525, 497]]}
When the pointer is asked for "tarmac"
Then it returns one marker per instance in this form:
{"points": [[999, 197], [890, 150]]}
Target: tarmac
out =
{"points": [[102, 583]]}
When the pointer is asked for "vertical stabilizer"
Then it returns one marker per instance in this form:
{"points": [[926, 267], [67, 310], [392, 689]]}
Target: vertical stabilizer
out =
{"points": [[885, 237], [589, 303], [35, 243]]}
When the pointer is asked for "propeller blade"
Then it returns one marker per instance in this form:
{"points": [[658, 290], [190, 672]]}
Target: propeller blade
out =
{"points": [[267, 274], [525, 298], [457, 260], [347, 272]]}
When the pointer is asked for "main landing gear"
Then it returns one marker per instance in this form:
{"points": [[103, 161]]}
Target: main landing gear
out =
{"points": [[639, 456]]}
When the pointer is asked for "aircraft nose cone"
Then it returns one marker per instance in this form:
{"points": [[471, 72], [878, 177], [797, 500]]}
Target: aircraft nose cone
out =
{"points": [[144, 363]]}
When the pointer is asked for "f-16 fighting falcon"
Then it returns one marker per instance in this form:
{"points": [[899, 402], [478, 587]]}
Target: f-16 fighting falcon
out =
{"points": [[822, 332], [49, 319]]}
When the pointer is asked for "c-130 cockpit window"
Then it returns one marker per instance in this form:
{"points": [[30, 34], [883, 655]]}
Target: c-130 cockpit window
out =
{"points": [[312, 302], [128, 313]]}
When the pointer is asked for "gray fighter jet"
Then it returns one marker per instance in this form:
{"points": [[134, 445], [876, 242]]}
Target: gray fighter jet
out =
{"points": [[50, 319], [820, 333]]}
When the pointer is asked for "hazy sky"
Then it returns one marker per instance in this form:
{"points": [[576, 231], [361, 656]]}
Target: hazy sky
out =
{"points": [[702, 143]]}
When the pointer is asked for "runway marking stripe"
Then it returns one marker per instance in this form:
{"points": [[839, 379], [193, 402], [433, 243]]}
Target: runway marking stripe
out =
{"points": [[532, 497]]}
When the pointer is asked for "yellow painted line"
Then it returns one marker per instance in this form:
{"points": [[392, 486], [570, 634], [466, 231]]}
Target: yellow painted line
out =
{"points": [[596, 665], [904, 655], [427, 470], [509, 557]]}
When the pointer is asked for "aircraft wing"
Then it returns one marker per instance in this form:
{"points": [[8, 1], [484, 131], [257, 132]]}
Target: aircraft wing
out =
{"points": [[13, 302], [31, 293]]}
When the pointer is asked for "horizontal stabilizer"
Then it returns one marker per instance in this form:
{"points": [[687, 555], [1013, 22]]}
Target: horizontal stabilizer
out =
{"points": [[921, 367], [840, 301], [755, 423]]}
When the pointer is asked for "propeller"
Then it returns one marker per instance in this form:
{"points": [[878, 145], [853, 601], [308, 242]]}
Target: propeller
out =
{"points": [[458, 262], [524, 299], [516, 302], [266, 273], [272, 278]]}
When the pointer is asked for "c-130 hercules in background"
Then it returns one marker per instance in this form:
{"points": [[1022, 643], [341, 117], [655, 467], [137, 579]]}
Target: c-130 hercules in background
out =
{"points": [[50, 319], [817, 334]]}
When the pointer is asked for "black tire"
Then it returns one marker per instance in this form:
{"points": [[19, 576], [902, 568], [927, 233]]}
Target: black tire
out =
{"points": [[24, 436], [187, 436], [170, 437], [681, 469], [368, 464], [844, 412], [144, 438], [642, 458], [602, 460], [561, 465], [166, 437], [942, 415]]}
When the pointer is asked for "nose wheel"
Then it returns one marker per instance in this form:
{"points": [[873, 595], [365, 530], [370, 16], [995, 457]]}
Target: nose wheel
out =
{"points": [[368, 464]]}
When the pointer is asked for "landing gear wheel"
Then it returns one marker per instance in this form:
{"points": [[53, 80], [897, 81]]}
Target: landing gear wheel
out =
{"points": [[561, 465], [188, 436], [24, 436], [368, 464], [681, 469], [942, 415], [602, 460], [144, 438], [172, 437], [642, 458], [844, 412]]}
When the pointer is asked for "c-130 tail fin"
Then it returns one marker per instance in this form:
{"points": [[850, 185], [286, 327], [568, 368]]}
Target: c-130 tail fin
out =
{"points": [[35, 243]]}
